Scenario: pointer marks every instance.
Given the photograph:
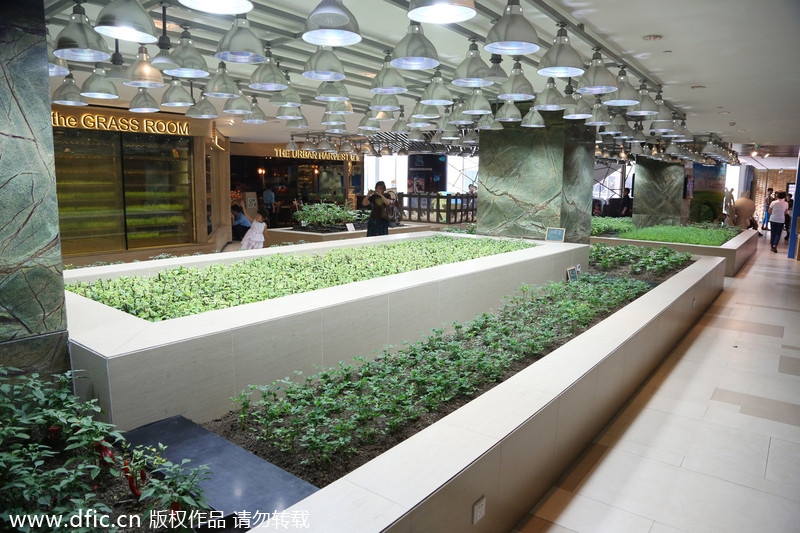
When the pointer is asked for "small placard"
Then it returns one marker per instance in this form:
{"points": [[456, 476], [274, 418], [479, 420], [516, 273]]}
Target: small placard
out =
{"points": [[572, 274], [554, 235], [251, 200], [350, 226]]}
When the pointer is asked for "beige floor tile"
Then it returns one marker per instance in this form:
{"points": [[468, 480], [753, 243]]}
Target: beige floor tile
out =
{"points": [[581, 514], [789, 365], [784, 464], [537, 524]]}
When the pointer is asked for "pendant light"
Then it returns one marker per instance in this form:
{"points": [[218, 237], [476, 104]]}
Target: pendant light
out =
{"points": [[496, 125], [240, 44], [238, 105], [508, 112], [142, 74], [288, 113], [513, 34], [436, 93], [288, 97], [191, 63], [68, 93], [369, 124], [471, 137], [646, 106], [163, 60], [78, 41], [309, 145], [416, 136], [597, 79], [401, 126], [418, 115], [686, 135], [441, 11], [425, 111], [338, 107], [203, 109], [517, 87], [218, 7], [291, 145], [220, 85], [126, 20], [56, 66], [472, 71], [485, 122], [477, 104], [638, 133], [143, 102], [600, 116], [532, 119], [381, 116], [496, 72], [571, 104], [617, 124], [458, 117], [561, 60], [298, 123], [450, 132], [384, 102], [324, 145], [332, 91], [388, 80], [176, 95], [97, 86], [267, 77], [331, 24], [662, 121], [415, 51], [334, 130], [625, 95], [332, 119], [323, 65], [550, 98], [582, 110]]}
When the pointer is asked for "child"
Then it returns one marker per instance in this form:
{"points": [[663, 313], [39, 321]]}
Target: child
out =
{"points": [[254, 238]]}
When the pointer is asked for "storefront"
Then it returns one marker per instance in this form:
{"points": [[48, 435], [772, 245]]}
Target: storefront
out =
{"points": [[130, 182]]}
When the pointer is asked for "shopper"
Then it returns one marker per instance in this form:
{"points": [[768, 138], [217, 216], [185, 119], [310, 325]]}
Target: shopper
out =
{"points": [[777, 217], [767, 200], [239, 222], [626, 204], [269, 203], [788, 220], [377, 224]]}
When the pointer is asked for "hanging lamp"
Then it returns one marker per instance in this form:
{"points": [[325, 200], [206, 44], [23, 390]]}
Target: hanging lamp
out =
{"points": [[550, 99], [288, 113], [331, 24], [441, 11], [143, 102], [203, 109], [78, 41], [238, 105], [477, 103], [323, 65], [267, 77], [126, 20], [512, 34], [436, 93], [401, 126], [517, 87], [496, 72], [190, 63], [625, 95], [597, 79], [388, 80], [561, 60], [220, 85], [176, 95], [508, 112], [219, 7], [164, 60], [332, 91], [142, 74], [646, 106], [532, 119], [600, 116], [472, 71], [98, 86], [240, 44], [415, 51], [68, 93], [384, 102], [56, 66]]}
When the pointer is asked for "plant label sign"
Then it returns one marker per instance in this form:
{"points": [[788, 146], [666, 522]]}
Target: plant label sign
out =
{"points": [[554, 235], [572, 274], [251, 200], [350, 226]]}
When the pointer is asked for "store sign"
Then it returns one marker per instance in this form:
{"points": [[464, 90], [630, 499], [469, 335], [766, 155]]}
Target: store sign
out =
{"points": [[97, 121], [304, 154]]}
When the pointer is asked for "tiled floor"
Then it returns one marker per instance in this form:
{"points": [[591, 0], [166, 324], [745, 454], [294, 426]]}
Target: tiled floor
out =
{"points": [[711, 443]]}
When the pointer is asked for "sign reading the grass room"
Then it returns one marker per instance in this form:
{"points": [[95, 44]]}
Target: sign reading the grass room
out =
{"points": [[119, 122]]}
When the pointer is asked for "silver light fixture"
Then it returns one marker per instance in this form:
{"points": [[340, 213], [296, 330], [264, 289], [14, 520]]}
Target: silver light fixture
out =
{"points": [[291, 145], [143, 102], [323, 65], [496, 72], [517, 87], [561, 60], [332, 91], [401, 126], [56, 66], [68, 93], [600, 116], [646, 106], [203, 109], [217, 7], [625, 95], [550, 99], [533, 119], [288, 113], [142, 74], [477, 104], [288, 97], [571, 105], [415, 51], [238, 105], [329, 118], [597, 79], [338, 107], [163, 60], [331, 24], [78, 41], [582, 110], [513, 34], [128, 21], [118, 73], [416, 136], [220, 85], [485, 122], [369, 124], [384, 102], [267, 77], [441, 11], [436, 93], [388, 80], [472, 71], [298, 123], [508, 112], [190, 64], [419, 115], [240, 44], [617, 125], [176, 95], [98, 86]]}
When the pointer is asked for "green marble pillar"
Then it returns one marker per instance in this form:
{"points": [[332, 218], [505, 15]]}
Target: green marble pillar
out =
{"points": [[658, 194], [534, 178], [32, 318]]}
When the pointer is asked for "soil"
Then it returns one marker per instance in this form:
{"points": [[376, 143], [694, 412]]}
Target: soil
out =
{"points": [[320, 475]]}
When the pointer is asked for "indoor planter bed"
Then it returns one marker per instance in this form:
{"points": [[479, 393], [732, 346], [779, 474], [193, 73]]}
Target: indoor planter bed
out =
{"points": [[282, 235], [510, 444], [143, 371]]}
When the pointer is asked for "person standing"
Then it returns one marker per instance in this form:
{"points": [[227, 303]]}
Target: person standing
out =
{"points": [[788, 220], [777, 217], [377, 200], [768, 200], [269, 203], [626, 205]]}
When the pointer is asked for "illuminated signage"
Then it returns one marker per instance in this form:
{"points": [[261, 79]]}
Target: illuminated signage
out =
{"points": [[304, 154], [96, 121]]}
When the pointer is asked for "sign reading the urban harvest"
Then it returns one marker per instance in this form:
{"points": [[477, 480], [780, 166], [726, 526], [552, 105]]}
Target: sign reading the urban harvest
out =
{"points": [[304, 154], [114, 122]]}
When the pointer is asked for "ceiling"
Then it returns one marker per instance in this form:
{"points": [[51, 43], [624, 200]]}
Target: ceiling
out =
{"points": [[730, 66]]}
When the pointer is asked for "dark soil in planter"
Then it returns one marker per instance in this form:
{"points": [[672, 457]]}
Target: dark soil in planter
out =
{"points": [[321, 475]]}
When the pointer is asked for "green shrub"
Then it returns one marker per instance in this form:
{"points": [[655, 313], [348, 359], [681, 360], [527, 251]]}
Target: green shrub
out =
{"points": [[188, 291], [641, 259], [470, 229], [611, 225], [705, 234], [326, 214]]}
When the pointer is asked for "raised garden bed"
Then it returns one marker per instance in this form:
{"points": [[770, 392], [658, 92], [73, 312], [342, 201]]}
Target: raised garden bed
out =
{"points": [[143, 371], [284, 235]]}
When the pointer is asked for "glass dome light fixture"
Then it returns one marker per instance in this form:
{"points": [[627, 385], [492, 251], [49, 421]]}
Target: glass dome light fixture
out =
{"points": [[450, 133], [298, 123], [517, 87], [388, 80], [324, 145], [323, 65], [400, 125], [384, 102], [508, 112], [532, 119], [143, 102], [331, 24], [240, 44], [425, 111], [176, 95], [512, 34], [485, 122], [570, 103], [289, 96], [164, 60], [203, 109], [646, 106], [238, 105], [78, 41], [346, 147], [68, 93], [126, 20], [471, 137], [331, 119], [369, 124], [600, 116], [436, 93], [496, 72], [381, 116], [625, 94], [142, 74], [477, 103], [98, 86], [267, 77], [550, 99], [441, 11], [597, 79], [561, 60], [190, 63], [288, 113], [216, 7], [56, 66], [472, 71], [582, 110], [291, 145], [221, 85], [616, 125], [257, 115], [686, 135], [416, 136], [458, 117], [309, 145], [332, 91], [415, 51]]}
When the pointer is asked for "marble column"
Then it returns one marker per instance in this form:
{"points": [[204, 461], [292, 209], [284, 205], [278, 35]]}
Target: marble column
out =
{"points": [[33, 333], [534, 178], [658, 193]]}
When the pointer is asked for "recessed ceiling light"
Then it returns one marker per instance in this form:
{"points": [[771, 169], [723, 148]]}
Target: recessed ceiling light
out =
{"points": [[698, 86], [653, 37]]}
